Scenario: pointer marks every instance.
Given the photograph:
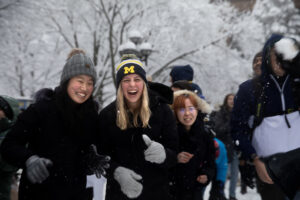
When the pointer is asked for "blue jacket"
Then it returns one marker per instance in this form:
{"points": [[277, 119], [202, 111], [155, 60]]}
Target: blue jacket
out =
{"points": [[277, 99], [221, 162]]}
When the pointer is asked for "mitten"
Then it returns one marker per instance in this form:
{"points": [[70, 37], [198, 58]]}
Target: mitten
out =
{"points": [[97, 164], [36, 168], [128, 181], [155, 152]]}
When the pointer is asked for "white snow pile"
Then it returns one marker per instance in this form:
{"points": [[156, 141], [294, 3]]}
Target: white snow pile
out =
{"points": [[287, 48]]}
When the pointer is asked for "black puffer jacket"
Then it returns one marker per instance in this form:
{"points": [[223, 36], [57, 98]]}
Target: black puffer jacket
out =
{"points": [[199, 143], [126, 148], [42, 130]]}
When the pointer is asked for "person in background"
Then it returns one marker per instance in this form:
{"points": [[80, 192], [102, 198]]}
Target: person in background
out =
{"points": [[196, 157], [9, 110], [218, 183], [222, 128], [246, 168], [256, 64], [140, 135], [185, 73], [51, 140], [181, 85], [265, 120]]}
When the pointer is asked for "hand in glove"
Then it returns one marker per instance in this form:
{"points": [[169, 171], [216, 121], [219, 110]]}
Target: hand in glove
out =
{"points": [[128, 181], [155, 152], [97, 163], [36, 168]]}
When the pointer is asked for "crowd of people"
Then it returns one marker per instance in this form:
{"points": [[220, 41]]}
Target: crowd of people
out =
{"points": [[156, 141]]}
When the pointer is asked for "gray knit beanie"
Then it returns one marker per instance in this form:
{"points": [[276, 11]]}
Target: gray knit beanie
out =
{"points": [[76, 65]]}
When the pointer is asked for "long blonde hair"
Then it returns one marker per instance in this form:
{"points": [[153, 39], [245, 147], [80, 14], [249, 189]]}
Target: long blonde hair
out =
{"points": [[143, 113]]}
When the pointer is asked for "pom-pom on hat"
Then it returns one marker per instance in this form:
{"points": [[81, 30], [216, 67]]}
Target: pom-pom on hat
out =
{"points": [[130, 64], [78, 63]]}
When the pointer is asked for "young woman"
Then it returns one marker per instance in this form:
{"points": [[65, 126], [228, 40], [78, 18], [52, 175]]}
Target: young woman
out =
{"points": [[223, 132], [139, 134], [196, 158], [51, 139]]}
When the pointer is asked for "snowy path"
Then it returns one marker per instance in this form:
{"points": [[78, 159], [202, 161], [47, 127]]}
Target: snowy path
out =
{"points": [[250, 195]]}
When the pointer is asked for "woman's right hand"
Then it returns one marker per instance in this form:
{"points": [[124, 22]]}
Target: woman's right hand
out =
{"points": [[184, 157], [262, 171]]}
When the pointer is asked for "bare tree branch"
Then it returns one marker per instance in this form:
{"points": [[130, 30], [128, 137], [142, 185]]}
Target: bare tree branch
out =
{"points": [[60, 30], [165, 66]]}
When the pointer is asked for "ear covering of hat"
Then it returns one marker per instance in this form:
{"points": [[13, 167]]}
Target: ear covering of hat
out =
{"points": [[130, 65], [78, 64]]}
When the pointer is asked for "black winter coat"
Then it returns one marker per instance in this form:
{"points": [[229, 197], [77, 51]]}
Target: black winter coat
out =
{"points": [[40, 130], [222, 128], [126, 148], [200, 143]]}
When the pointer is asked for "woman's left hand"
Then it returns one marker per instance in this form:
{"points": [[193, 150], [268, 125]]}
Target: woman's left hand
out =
{"points": [[202, 179]]}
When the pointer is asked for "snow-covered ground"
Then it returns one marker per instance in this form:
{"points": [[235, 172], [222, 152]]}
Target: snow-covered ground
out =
{"points": [[250, 195], [101, 183]]}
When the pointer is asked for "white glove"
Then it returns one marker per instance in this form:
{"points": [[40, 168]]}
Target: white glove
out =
{"points": [[287, 48], [128, 181], [155, 152]]}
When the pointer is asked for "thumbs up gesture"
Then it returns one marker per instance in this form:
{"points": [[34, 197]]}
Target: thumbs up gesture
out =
{"points": [[155, 152]]}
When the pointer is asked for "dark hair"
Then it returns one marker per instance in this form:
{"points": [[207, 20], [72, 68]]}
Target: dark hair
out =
{"points": [[225, 105], [5, 107], [182, 84]]}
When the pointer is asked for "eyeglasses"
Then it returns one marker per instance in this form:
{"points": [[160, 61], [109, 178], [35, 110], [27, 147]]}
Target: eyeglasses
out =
{"points": [[190, 109]]}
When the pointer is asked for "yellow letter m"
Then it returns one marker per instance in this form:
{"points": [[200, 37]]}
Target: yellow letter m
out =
{"points": [[129, 69]]}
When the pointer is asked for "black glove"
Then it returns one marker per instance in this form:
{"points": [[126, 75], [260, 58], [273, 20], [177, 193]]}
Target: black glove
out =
{"points": [[217, 191], [247, 174], [97, 163], [36, 169]]}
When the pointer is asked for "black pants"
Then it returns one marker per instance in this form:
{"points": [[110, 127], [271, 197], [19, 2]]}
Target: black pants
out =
{"points": [[269, 191], [88, 194]]}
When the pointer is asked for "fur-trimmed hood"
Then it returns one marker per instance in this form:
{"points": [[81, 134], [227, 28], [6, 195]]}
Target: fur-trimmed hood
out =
{"points": [[202, 105]]}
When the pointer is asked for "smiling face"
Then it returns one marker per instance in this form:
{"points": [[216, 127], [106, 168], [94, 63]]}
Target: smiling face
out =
{"points": [[132, 87], [187, 115], [80, 88]]}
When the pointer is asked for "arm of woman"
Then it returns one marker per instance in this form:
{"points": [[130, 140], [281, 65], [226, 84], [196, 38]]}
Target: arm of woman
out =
{"points": [[14, 147], [209, 165], [169, 137]]}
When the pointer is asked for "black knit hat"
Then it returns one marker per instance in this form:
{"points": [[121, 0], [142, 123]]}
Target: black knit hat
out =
{"points": [[78, 64], [185, 72], [130, 64]]}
